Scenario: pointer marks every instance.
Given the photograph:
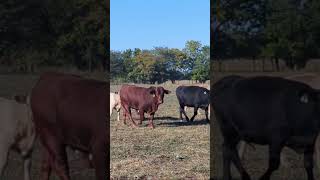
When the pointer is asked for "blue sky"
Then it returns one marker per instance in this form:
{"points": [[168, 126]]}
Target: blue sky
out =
{"points": [[146, 24]]}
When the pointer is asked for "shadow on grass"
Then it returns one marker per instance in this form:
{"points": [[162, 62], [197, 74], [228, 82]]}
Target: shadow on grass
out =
{"points": [[169, 121], [178, 122], [169, 118]]}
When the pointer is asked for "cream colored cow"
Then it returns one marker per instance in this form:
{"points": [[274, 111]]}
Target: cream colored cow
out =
{"points": [[115, 104], [16, 132]]}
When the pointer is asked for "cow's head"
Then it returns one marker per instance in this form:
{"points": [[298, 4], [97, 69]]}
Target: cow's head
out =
{"points": [[158, 93]]}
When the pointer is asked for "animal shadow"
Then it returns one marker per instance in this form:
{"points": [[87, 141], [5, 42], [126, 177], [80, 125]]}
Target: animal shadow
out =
{"points": [[175, 122]]}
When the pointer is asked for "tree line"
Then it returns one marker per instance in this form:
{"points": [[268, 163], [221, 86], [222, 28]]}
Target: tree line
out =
{"points": [[59, 33], [287, 30], [161, 64]]}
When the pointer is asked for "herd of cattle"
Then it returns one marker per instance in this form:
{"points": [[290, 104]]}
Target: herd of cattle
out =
{"points": [[68, 111], [147, 100]]}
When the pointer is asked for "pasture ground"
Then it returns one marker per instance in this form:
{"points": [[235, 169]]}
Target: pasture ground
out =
{"points": [[11, 84], [175, 149], [256, 160]]}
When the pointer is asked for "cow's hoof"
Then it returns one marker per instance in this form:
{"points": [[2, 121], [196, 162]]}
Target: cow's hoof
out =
{"points": [[151, 126]]}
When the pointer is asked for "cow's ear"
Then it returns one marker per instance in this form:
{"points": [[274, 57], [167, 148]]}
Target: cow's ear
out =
{"points": [[152, 90], [167, 91]]}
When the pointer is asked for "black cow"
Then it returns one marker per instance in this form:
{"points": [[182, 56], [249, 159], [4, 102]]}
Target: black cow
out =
{"points": [[268, 111], [193, 96]]}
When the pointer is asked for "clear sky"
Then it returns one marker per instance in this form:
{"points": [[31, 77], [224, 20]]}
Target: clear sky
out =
{"points": [[146, 24]]}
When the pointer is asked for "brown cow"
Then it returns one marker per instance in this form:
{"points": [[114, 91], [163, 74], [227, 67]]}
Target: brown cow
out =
{"points": [[145, 100], [69, 111]]}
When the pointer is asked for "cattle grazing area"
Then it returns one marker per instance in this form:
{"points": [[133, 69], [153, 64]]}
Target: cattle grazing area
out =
{"points": [[174, 149], [256, 157], [21, 84]]}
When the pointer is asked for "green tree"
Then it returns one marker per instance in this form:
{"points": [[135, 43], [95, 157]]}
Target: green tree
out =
{"points": [[201, 70], [144, 68], [60, 33], [170, 59], [192, 50]]}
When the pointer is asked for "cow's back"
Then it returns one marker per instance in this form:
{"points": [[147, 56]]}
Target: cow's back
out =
{"points": [[134, 96], [71, 108]]}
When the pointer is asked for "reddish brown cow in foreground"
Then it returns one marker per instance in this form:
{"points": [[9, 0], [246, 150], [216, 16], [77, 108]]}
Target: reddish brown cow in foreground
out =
{"points": [[146, 100], [71, 111]]}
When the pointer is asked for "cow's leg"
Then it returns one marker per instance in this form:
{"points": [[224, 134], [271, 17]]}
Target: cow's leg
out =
{"points": [[141, 113], [60, 163], [124, 117], [237, 162], [226, 155], [100, 158], [3, 157], [317, 154], [151, 121], [182, 111], [57, 155], [110, 110], [27, 166], [206, 111], [124, 114], [118, 115], [85, 159], [194, 113], [308, 161], [274, 160], [241, 149], [130, 117], [128, 111], [45, 164]]}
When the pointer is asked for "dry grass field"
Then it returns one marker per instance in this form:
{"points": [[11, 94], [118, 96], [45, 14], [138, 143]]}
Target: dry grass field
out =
{"points": [[175, 149], [256, 159], [21, 84]]}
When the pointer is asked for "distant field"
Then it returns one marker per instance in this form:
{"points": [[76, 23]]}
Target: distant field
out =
{"points": [[175, 149]]}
